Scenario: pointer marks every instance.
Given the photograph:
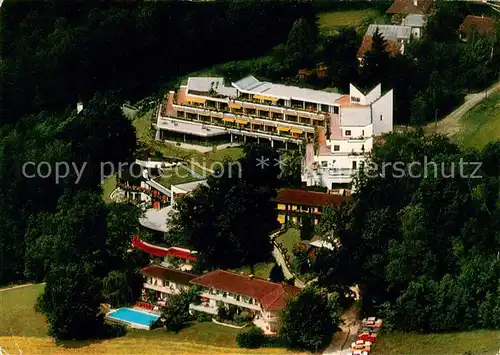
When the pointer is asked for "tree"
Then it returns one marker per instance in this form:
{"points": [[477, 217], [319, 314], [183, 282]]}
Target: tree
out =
{"points": [[175, 314], [307, 322], [276, 274], [301, 43], [218, 220], [71, 301], [422, 243], [307, 228], [375, 67], [340, 54], [252, 338], [291, 169]]}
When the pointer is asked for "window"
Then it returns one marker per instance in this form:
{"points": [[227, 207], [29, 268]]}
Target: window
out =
{"points": [[381, 117], [166, 283], [354, 165], [336, 148], [363, 148], [363, 133], [347, 132], [324, 108], [324, 163], [355, 99], [335, 109]]}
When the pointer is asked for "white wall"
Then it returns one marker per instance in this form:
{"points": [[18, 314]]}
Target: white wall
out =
{"points": [[374, 94], [383, 107], [354, 92]]}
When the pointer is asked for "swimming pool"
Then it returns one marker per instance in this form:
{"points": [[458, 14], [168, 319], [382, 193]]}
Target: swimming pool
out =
{"points": [[134, 318]]}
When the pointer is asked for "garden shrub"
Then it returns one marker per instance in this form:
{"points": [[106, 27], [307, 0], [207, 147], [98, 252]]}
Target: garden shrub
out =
{"points": [[251, 339]]}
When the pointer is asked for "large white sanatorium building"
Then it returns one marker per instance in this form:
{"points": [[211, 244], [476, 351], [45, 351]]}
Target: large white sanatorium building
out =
{"points": [[207, 112]]}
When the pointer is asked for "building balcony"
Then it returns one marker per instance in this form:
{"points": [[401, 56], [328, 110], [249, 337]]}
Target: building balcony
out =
{"points": [[230, 300], [161, 288], [202, 308]]}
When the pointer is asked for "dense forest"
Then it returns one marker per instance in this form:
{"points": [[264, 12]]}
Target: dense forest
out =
{"points": [[56, 52], [422, 235]]}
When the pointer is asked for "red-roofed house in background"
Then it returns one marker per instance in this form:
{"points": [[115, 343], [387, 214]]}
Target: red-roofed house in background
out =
{"points": [[420, 7], [484, 26], [293, 203]]}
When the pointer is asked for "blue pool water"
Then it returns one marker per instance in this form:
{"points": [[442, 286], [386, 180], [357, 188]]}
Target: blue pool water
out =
{"points": [[132, 316]]}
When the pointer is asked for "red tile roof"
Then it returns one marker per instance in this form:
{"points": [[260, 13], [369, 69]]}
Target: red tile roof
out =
{"points": [[392, 47], [161, 252], [272, 296], [163, 273], [308, 198], [484, 25], [408, 7]]}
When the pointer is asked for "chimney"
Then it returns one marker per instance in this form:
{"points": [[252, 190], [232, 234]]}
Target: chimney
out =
{"points": [[250, 276]]}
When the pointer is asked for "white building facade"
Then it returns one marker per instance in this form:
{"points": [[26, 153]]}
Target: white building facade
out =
{"points": [[336, 158]]}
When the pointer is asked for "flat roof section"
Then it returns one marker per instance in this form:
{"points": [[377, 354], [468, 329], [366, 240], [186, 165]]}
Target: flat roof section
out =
{"points": [[252, 85]]}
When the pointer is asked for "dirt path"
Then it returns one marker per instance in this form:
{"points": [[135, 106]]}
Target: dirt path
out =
{"points": [[450, 125]]}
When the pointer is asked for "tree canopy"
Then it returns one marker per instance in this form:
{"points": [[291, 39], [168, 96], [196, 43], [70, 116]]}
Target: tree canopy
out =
{"points": [[422, 243], [229, 221]]}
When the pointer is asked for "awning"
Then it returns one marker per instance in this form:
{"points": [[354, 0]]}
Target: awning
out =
{"points": [[268, 124], [318, 118], [242, 121], [228, 119], [216, 114], [297, 131], [195, 99], [162, 252], [283, 128], [267, 98], [234, 105]]}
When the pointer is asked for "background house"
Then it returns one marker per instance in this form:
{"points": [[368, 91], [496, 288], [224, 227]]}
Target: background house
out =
{"points": [[420, 7], [484, 26], [292, 204]]}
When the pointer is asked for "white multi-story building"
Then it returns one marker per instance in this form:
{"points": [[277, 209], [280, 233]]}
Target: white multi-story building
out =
{"points": [[333, 160]]}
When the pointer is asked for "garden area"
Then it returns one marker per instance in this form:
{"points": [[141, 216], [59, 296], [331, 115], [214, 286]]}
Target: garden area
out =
{"points": [[21, 328], [331, 21]]}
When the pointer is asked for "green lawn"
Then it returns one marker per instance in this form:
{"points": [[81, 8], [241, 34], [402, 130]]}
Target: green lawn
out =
{"points": [[333, 20], [477, 342], [142, 124], [17, 313], [108, 185], [22, 328], [260, 270], [289, 239], [175, 176], [481, 124]]}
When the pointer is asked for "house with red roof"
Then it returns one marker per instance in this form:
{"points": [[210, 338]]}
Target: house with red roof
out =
{"points": [[484, 26], [292, 204], [262, 299]]}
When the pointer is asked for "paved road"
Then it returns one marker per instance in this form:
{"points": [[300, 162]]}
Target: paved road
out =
{"points": [[450, 125]]}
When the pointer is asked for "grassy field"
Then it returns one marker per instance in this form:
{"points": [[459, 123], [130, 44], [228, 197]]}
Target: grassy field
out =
{"points": [[142, 125], [477, 342], [21, 328], [331, 21], [175, 176], [108, 185], [260, 270], [481, 124], [289, 239]]}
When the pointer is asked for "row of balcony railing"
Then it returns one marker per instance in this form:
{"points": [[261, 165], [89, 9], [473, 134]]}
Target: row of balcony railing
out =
{"points": [[299, 121]]}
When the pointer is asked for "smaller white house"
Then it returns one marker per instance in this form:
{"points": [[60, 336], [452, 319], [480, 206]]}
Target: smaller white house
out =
{"points": [[164, 281], [417, 24]]}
